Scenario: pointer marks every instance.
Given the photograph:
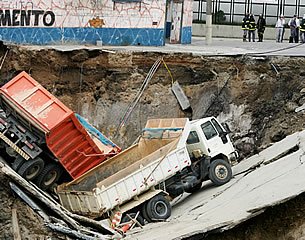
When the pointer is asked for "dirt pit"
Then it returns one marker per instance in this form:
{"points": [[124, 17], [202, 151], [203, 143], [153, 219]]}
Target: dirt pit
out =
{"points": [[257, 102]]}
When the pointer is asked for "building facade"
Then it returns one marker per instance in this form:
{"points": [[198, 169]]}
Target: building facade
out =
{"points": [[233, 11], [109, 22]]}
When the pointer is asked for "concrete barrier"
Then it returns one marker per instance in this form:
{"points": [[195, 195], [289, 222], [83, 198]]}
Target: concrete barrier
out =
{"points": [[230, 31]]}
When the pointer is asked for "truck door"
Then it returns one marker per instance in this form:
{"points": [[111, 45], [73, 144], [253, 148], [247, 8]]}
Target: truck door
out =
{"points": [[216, 139]]}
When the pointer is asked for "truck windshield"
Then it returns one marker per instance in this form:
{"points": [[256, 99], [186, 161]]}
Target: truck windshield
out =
{"points": [[208, 130]]}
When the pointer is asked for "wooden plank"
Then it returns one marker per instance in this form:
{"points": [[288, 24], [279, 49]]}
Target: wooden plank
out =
{"points": [[65, 215], [15, 225]]}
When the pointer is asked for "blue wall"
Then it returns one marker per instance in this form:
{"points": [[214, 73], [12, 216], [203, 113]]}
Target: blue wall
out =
{"points": [[186, 35], [108, 36]]}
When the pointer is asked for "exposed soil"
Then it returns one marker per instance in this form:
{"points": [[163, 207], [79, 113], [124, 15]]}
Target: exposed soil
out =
{"points": [[257, 103]]}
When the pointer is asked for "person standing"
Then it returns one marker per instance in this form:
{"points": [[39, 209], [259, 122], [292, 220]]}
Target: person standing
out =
{"points": [[302, 29], [244, 26], [294, 25], [261, 25], [252, 28], [280, 28]]}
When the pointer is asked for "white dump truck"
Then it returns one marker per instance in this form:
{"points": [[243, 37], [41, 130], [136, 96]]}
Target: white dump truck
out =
{"points": [[172, 156]]}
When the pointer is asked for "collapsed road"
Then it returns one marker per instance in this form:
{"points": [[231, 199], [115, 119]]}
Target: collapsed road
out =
{"points": [[258, 97], [271, 177], [266, 179]]}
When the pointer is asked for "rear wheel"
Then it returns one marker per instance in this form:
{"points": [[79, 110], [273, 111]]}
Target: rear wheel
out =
{"points": [[144, 213], [220, 172], [18, 163], [49, 175], [158, 208], [30, 169]]}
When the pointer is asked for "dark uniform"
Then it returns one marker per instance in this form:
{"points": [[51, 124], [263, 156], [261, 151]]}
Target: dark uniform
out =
{"points": [[251, 28], [261, 25], [302, 30], [244, 26]]}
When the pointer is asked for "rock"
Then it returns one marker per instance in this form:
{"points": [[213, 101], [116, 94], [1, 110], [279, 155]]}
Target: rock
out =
{"points": [[245, 146], [278, 136], [80, 56], [301, 100], [284, 125], [302, 91], [290, 107]]}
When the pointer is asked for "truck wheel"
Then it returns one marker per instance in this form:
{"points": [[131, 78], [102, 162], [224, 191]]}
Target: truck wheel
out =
{"points": [[158, 208], [30, 169], [140, 219], [18, 163], [195, 188], [144, 213], [49, 175], [220, 172]]}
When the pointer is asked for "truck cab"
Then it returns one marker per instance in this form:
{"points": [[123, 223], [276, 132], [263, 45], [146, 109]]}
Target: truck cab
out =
{"points": [[207, 136]]}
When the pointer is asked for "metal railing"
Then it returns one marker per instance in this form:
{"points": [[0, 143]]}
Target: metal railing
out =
{"points": [[233, 11]]}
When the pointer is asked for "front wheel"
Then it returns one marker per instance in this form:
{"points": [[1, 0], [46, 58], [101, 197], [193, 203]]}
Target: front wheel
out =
{"points": [[220, 172]]}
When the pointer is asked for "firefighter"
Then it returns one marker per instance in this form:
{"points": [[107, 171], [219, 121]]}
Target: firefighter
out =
{"points": [[251, 28], [261, 25], [294, 25], [302, 29], [244, 26]]}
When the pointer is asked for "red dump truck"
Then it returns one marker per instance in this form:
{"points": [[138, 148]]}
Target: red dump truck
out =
{"points": [[43, 139]]}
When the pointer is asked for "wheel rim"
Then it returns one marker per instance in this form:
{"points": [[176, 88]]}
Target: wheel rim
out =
{"points": [[32, 172], [160, 208], [221, 172], [50, 178]]}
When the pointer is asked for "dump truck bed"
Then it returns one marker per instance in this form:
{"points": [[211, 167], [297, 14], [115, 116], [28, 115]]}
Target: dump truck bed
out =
{"points": [[71, 143], [132, 172]]}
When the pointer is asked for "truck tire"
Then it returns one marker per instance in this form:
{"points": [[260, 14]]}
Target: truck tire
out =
{"points": [[158, 208], [144, 213], [18, 163], [194, 189], [220, 172], [140, 219], [49, 175], [30, 169]]}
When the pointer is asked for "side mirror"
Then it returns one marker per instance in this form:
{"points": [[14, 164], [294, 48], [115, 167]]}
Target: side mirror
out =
{"points": [[223, 137]]}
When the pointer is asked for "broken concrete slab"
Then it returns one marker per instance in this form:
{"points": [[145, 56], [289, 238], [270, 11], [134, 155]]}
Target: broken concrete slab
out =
{"points": [[181, 97], [269, 154]]}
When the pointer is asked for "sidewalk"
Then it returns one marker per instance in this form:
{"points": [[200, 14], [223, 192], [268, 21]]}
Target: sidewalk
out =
{"points": [[219, 47]]}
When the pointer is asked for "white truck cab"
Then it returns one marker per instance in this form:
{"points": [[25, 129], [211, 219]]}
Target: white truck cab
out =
{"points": [[209, 137]]}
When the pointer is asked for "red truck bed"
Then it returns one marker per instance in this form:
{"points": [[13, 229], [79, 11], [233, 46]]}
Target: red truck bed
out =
{"points": [[76, 149]]}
